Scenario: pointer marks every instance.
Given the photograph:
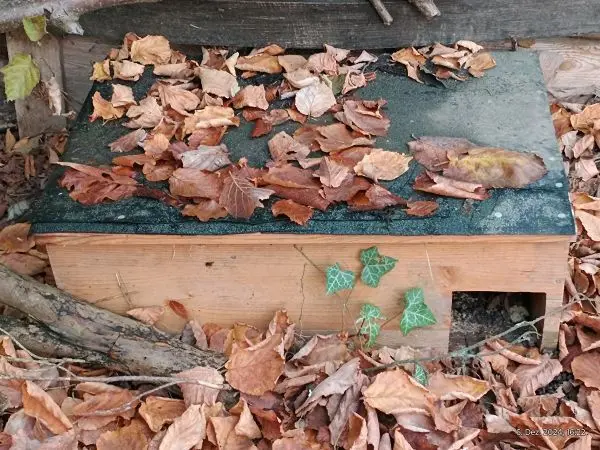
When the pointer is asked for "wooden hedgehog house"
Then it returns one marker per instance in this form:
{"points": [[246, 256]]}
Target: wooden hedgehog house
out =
{"points": [[140, 252]]}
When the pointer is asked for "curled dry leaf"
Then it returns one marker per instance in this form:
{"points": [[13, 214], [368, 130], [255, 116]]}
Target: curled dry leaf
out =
{"points": [[176, 70], [315, 100], [365, 116], [530, 378], [127, 70], [374, 198], [122, 96], [585, 369], [255, 370], [151, 50], [290, 176], [134, 436], [207, 136], [383, 165], [209, 117], [147, 114], [225, 436], [186, 431], [297, 213], [479, 63], [38, 404], [158, 411], [285, 148], [104, 109], [586, 120], [128, 142], [90, 187], [179, 99], [301, 78], [240, 197], [357, 433], [204, 210], [15, 238], [412, 60], [195, 394], [251, 96], [149, 314], [331, 173], [394, 392], [218, 82], [440, 185], [206, 157], [457, 387], [101, 71], [261, 62], [496, 168], [422, 208], [246, 425], [291, 62], [307, 196], [24, 263], [332, 138], [433, 151]]}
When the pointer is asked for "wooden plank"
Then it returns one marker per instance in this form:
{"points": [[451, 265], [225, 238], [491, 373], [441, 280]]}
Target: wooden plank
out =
{"points": [[571, 67], [347, 23], [225, 283], [78, 55], [33, 113], [68, 239]]}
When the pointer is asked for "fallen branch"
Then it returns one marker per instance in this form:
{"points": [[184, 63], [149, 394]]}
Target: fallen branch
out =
{"points": [[62, 13], [427, 7], [105, 337], [385, 15]]}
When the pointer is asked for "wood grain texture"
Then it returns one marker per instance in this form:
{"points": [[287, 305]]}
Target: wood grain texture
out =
{"points": [[33, 113], [348, 23], [571, 68], [224, 283]]}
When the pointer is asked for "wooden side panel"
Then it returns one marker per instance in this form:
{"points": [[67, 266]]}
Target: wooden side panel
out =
{"points": [[228, 283], [33, 113], [346, 23]]}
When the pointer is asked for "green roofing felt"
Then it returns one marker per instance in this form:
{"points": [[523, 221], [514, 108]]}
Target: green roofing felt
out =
{"points": [[508, 108]]}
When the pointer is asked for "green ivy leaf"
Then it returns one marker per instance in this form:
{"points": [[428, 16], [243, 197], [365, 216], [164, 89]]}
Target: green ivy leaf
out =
{"points": [[421, 374], [416, 313], [35, 27], [375, 266], [21, 75], [338, 279], [369, 314]]}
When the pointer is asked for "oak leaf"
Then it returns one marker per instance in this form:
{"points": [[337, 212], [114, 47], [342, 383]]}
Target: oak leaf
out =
{"points": [[383, 165], [38, 404], [151, 50], [440, 185], [205, 210], [297, 213], [496, 168], [186, 431], [255, 370], [240, 197], [148, 315], [315, 100]]}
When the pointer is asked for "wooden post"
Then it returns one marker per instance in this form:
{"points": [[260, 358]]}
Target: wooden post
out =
{"points": [[33, 113]]}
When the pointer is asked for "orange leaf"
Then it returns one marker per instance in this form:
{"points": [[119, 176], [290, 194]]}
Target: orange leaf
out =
{"points": [[297, 213], [157, 411], [134, 436], [38, 404], [15, 238], [196, 394], [186, 431]]}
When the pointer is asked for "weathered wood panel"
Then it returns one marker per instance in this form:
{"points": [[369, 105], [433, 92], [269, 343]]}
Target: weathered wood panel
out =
{"points": [[224, 279], [348, 23]]}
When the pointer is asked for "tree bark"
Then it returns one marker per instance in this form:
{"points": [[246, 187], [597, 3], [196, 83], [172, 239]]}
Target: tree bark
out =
{"points": [[104, 336]]}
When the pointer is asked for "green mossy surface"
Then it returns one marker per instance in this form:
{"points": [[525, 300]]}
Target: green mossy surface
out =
{"points": [[508, 108]]}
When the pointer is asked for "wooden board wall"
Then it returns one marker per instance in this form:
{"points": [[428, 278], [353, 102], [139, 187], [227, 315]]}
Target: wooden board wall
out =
{"points": [[347, 23]]}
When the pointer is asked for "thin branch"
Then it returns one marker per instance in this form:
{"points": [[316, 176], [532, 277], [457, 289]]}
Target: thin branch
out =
{"points": [[426, 7], [385, 15]]}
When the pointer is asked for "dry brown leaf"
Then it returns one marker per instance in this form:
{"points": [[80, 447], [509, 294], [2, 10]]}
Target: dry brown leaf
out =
{"points": [[479, 63], [301, 78], [365, 116], [122, 96], [147, 114], [332, 138], [321, 349], [104, 109], [347, 190], [440, 185], [589, 340], [424, 208], [530, 378], [157, 411], [496, 168], [218, 82], [353, 80], [585, 443], [176, 70], [195, 394], [331, 173], [127, 70], [307, 196], [186, 431], [209, 117], [593, 401], [586, 169], [591, 223], [205, 210], [128, 142], [457, 387], [587, 119], [134, 436], [323, 63], [383, 165], [148, 315], [246, 425], [285, 148], [240, 197], [15, 238], [210, 158], [261, 62], [585, 369], [151, 50], [433, 152], [374, 198], [357, 433], [315, 100], [178, 99], [255, 370], [290, 176], [251, 96], [207, 136], [101, 71], [38, 404], [297, 213], [226, 436], [291, 62], [195, 183], [395, 392]]}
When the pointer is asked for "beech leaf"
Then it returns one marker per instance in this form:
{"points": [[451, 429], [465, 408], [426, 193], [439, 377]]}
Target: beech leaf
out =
{"points": [[21, 75], [338, 279]]}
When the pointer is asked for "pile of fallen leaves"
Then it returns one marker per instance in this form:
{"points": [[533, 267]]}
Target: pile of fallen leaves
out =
{"points": [[323, 393], [19, 252], [187, 111]]}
